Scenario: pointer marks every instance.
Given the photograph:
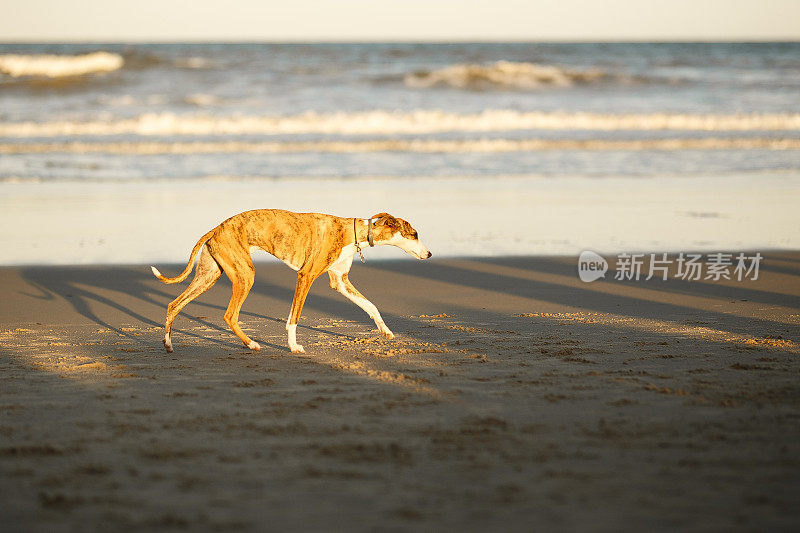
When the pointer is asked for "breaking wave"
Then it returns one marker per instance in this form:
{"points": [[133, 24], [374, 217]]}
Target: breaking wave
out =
{"points": [[503, 74], [399, 145], [387, 122], [59, 66]]}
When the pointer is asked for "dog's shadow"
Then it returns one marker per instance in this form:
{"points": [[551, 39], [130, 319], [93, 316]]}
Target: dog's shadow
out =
{"points": [[94, 293]]}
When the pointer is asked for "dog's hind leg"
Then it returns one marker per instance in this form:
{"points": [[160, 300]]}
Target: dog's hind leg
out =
{"points": [[206, 274], [341, 283], [238, 266]]}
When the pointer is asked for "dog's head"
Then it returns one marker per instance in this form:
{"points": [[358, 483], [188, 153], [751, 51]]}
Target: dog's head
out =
{"points": [[397, 232]]}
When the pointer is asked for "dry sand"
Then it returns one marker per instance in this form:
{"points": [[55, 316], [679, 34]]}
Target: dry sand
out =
{"points": [[515, 397]]}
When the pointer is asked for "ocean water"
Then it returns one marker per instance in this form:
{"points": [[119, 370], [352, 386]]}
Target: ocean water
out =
{"points": [[125, 122]]}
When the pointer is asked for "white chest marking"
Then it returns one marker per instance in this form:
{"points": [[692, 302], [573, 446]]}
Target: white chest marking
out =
{"points": [[345, 259]]}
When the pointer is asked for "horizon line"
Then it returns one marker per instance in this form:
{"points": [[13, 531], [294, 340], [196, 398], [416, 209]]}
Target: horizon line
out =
{"points": [[654, 40]]}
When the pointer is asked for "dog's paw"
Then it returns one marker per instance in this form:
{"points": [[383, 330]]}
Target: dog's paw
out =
{"points": [[297, 349], [254, 346], [167, 345], [386, 331]]}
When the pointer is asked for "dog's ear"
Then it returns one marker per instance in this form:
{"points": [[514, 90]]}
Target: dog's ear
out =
{"points": [[383, 219]]}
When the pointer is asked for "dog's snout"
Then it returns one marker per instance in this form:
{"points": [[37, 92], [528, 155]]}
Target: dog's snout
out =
{"points": [[429, 255]]}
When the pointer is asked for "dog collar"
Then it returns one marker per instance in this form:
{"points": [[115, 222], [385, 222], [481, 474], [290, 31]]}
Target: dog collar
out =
{"points": [[370, 239]]}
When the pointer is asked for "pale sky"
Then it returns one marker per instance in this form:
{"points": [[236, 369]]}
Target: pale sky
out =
{"points": [[397, 20]]}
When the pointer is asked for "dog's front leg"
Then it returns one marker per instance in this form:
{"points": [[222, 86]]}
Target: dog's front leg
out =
{"points": [[304, 281], [341, 283]]}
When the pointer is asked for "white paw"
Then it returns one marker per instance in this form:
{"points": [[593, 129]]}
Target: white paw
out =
{"points": [[297, 349], [386, 331], [254, 346], [167, 344]]}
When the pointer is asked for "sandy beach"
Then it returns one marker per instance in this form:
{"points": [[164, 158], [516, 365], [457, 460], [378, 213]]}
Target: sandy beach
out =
{"points": [[514, 398]]}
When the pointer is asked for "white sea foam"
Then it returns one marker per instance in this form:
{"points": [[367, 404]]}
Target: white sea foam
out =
{"points": [[387, 122], [506, 74], [129, 100], [400, 145], [58, 66]]}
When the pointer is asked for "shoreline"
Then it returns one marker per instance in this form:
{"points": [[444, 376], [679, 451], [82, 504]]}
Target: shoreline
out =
{"points": [[130, 223], [514, 396]]}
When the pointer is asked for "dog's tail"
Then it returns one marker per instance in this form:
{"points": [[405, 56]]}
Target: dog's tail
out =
{"points": [[183, 275]]}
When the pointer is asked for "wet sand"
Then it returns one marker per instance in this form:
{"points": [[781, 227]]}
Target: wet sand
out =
{"points": [[465, 216], [514, 398]]}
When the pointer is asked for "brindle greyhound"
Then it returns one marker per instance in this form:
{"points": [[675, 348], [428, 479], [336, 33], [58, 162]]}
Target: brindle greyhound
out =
{"points": [[310, 243]]}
